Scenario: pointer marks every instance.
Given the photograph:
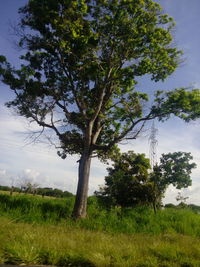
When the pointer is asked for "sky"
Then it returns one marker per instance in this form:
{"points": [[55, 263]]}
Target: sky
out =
{"points": [[21, 160]]}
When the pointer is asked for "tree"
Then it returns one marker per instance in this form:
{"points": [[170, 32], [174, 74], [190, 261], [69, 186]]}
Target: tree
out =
{"points": [[28, 186], [175, 169], [127, 183], [181, 198], [130, 183], [79, 73]]}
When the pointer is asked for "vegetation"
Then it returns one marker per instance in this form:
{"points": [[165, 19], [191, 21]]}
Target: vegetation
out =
{"points": [[79, 73], [63, 245], [127, 183], [45, 191], [130, 182], [33, 208], [27, 208], [8, 188], [35, 230], [78, 76], [174, 169]]}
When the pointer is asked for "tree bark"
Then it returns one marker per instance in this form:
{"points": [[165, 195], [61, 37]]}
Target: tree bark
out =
{"points": [[80, 205]]}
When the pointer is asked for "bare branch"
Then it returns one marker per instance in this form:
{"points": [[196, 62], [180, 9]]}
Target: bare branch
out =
{"points": [[137, 132], [63, 107], [43, 124], [34, 137]]}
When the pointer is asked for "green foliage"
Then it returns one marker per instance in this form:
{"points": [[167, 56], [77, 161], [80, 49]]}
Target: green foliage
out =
{"points": [[127, 182], [182, 102], [152, 240], [46, 191], [32, 208], [7, 188], [82, 60], [140, 219], [194, 207], [174, 169]]}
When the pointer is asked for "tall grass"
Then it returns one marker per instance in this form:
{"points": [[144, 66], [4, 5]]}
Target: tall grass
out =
{"points": [[143, 220], [35, 209], [35, 230], [61, 245], [138, 220]]}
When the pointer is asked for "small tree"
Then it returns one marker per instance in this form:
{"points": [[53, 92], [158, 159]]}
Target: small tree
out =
{"points": [[127, 183], [12, 185], [181, 198], [174, 169], [28, 186], [79, 73]]}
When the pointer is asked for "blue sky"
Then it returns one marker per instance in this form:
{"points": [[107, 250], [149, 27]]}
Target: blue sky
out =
{"points": [[40, 163]]}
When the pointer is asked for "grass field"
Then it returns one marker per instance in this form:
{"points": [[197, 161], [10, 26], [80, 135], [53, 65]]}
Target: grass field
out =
{"points": [[68, 246], [34, 230]]}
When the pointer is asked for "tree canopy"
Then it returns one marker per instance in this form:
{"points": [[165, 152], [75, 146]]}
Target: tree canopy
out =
{"points": [[127, 183], [79, 69], [130, 182], [175, 169]]}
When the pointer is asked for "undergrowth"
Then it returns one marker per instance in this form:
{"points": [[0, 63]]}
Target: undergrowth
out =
{"points": [[33, 209]]}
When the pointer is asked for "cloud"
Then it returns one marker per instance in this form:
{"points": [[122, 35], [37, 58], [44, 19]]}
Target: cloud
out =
{"points": [[5, 178], [37, 162], [30, 175], [2, 172]]}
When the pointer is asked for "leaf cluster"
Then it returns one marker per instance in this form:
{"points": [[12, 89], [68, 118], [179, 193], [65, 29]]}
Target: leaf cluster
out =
{"points": [[175, 169]]}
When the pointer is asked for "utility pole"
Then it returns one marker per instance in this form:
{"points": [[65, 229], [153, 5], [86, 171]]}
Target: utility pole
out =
{"points": [[153, 144]]}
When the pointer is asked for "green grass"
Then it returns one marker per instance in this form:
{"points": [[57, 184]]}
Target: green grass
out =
{"points": [[61, 245], [33, 209], [35, 230]]}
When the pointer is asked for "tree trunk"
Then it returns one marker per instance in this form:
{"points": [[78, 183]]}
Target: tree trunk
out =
{"points": [[154, 206], [11, 191], [80, 205]]}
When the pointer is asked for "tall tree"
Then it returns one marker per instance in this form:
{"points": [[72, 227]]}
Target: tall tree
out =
{"points": [[79, 69]]}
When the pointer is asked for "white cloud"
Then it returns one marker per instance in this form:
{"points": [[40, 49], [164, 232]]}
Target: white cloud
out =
{"points": [[2, 172], [30, 175], [5, 178]]}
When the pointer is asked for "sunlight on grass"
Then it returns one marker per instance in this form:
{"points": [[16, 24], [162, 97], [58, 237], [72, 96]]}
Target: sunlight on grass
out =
{"points": [[63, 245], [34, 230]]}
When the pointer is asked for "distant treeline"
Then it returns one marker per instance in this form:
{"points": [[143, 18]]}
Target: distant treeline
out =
{"points": [[46, 191]]}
